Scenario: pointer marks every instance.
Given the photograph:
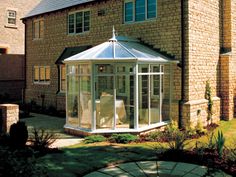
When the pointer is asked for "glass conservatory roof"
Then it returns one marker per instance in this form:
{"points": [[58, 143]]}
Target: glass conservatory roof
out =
{"points": [[120, 48]]}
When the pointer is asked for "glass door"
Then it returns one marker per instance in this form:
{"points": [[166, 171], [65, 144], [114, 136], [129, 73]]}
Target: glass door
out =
{"points": [[104, 97]]}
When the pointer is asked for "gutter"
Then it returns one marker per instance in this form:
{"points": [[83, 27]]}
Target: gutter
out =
{"points": [[181, 102]]}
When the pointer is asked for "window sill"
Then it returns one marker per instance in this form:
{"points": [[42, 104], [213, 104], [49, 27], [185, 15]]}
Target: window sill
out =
{"points": [[137, 22], [11, 26], [42, 83], [77, 34]]}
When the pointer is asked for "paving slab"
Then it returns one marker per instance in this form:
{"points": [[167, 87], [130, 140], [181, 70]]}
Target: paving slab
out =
{"points": [[155, 169]]}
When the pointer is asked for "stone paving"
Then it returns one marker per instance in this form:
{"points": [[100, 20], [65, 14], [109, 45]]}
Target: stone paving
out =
{"points": [[156, 169]]}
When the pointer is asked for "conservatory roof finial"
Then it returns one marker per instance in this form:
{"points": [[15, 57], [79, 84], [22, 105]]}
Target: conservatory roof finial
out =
{"points": [[113, 34]]}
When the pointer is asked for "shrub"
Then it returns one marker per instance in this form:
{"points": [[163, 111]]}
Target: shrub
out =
{"points": [[220, 141], [123, 138], [211, 144], [20, 163], [42, 139], [177, 140], [94, 139], [172, 127], [155, 136], [199, 128], [18, 134]]}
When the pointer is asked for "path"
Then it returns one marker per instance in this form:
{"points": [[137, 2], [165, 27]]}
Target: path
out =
{"points": [[156, 169]]}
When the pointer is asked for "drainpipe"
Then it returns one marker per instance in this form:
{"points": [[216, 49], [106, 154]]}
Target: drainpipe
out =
{"points": [[23, 96], [181, 102]]}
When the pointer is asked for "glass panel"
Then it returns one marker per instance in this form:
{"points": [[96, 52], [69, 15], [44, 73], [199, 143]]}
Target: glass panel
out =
{"points": [[79, 22], [36, 29], [166, 94], [143, 68], [47, 73], [140, 10], [71, 24], [143, 101], [128, 11], [12, 21], [155, 99], [125, 104], [41, 26], [104, 68], [121, 84], [86, 21], [85, 69], [73, 100], [151, 8], [42, 74], [85, 102], [36, 73], [104, 102]]}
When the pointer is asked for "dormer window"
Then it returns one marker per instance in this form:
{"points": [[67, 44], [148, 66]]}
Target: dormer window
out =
{"points": [[78, 22], [139, 10]]}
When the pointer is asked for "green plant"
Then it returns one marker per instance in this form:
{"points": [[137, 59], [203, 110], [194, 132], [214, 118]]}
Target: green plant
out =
{"points": [[220, 141], [177, 140], [94, 139], [208, 96], [20, 163], [42, 139], [154, 136], [211, 144], [199, 128], [122, 138], [18, 134], [172, 127]]}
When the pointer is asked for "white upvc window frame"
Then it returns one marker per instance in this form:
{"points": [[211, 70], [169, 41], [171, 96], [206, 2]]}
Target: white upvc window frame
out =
{"points": [[8, 16], [45, 81], [134, 19], [74, 14]]}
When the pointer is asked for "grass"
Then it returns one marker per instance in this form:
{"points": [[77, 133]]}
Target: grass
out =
{"points": [[80, 159]]}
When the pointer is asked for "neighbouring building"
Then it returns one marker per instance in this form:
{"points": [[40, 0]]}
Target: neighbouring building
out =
{"points": [[198, 34]]}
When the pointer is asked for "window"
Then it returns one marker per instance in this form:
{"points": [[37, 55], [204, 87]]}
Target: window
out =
{"points": [[139, 10], [79, 22], [38, 29], [3, 51], [11, 17], [62, 78], [41, 74]]}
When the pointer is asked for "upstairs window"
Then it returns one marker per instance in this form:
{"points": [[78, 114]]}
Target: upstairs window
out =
{"points": [[41, 74], [11, 17], [79, 22], [38, 29], [139, 10]]}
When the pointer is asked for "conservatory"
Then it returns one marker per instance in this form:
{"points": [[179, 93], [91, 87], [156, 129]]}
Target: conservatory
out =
{"points": [[118, 86]]}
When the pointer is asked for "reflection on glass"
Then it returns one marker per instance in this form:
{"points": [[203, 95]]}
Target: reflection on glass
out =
{"points": [[143, 100], [104, 102], [85, 101], [72, 100], [155, 99], [124, 98]]}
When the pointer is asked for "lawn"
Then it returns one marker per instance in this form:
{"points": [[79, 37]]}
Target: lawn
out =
{"points": [[80, 159]]}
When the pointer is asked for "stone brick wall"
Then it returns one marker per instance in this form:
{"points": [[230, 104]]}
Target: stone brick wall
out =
{"points": [[164, 33], [12, 38], [9, 115], [202, 61]]}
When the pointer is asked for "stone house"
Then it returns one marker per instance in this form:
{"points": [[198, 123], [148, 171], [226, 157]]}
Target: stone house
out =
{"points": [[199, 34], [12, 47]]}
